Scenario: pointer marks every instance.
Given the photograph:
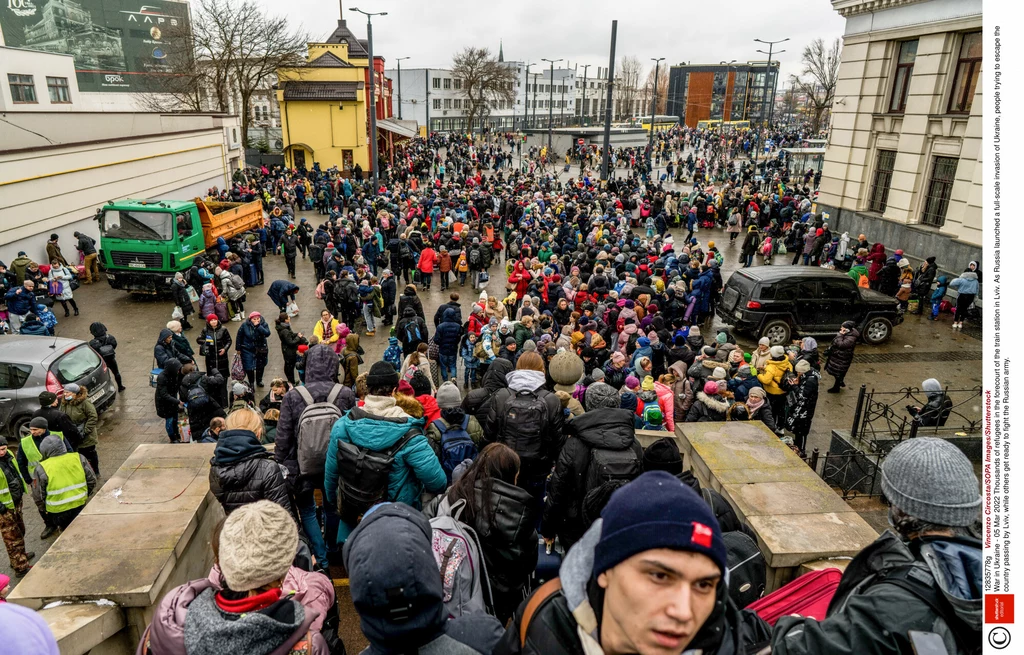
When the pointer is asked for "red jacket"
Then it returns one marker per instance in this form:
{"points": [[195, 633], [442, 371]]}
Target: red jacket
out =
{"points": [[427, 259]]}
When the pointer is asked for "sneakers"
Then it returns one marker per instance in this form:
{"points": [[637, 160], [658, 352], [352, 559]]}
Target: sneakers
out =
{"points": [[371, 333], [958, 326], [237, 318]]}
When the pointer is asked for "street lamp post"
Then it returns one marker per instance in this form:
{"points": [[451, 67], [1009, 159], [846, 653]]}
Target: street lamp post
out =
{"points": [[399, 60], [551, 99], [534, 122], [526, 98], [654, 107], [583, 107], [767, 73], [373, 97]]}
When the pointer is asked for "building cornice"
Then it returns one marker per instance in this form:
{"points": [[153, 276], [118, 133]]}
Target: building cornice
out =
{"points": [[847, 8]]}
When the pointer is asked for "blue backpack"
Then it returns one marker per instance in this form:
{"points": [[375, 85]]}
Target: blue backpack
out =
{"points": [[456, 445]]}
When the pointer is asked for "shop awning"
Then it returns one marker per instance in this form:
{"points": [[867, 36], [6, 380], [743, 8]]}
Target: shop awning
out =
{"points": [[396, 128]]}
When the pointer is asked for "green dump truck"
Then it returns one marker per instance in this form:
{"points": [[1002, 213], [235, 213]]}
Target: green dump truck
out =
{"points": [[143, 243]]}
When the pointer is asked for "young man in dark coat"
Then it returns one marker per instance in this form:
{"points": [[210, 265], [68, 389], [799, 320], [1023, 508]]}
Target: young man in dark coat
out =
{"points": [[840, 354]]}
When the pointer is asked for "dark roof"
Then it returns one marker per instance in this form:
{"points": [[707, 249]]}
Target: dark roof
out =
{"points": [[776, 273], [342, 34], [321, 90], [329, 60]]}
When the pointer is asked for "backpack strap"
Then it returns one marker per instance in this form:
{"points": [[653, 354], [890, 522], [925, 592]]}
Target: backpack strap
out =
{"points": [[909, 578], [306, 396], [331, 397], [439, 424], [400, 444], [465, 422], [543, 593]]}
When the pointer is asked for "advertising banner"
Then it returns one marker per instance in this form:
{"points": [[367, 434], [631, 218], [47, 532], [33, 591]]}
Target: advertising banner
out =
{"points": [[118, 45]]}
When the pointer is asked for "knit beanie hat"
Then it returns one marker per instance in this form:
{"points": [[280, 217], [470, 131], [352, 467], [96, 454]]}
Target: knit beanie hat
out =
{"points": [[777, 352], [238, 389], [654, 511], [565, 369], [529, 345], [598, 375], [803, 366], [448, 395], [694, 331], [764, 341], [663, 455], [744, 371], [632, 382], [601, 396], [721, 337], [932, 480], [711, 388], [718, 374], [382, 375], [648, 383], [257, 545], [709, 351]]}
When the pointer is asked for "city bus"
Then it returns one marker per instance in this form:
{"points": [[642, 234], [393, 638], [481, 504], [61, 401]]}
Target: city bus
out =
{"points": [[710, 124], [661, 123], [736, 125]]}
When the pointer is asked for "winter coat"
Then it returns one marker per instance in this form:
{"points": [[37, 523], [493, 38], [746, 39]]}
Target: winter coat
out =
{"points": [[251, 344], [682, 392], [242, 471], [966, 284], [443, 309], [9, 467], [281, 628], [475, 402], [762, 413], [532, 465], [19, 300], [321, 376], [282, 292], [666, 401], [410, 299], [871, 614], [313, 590], [181, 298], [378, 425], [65, 275], [555, 628], [167, 390], [922, 285], [741, 387], [801, 401], [707, 408], [215, 340], [759, 359], [165, 351], [290, 342], [83, 414], [448, 334], [772, 374], [608, 429], [409, 317], [840, 353], [876, 260]]}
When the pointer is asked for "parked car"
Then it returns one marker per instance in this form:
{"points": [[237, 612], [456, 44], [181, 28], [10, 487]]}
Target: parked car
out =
{"points": [[783, 302], [30, 365]]}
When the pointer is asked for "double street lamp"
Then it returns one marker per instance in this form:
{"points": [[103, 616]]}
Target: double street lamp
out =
{"points": [[399, 60], [764, 93], [551, 99], [373, 96]]}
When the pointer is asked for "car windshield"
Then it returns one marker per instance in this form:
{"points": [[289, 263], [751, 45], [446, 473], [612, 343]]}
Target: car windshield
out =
{"points": [[124, 224], [76, 364]]}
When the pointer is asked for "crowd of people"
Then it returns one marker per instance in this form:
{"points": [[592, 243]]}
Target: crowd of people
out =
{"points": [[604, 327]]}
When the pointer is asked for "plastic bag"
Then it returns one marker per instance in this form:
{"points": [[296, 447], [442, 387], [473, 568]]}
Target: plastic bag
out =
{"points": [[183, 428], [293, 310], [177, 314], [192, 295]]}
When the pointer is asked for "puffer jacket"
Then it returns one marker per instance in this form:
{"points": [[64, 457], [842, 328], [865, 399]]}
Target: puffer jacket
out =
{"points": [[321, 376], [607, 429], [537, 459], [242, 471], [683, 392], [448, 333], [840, 353], [871, 614], [313, 590], [772, 374], [476, 400], [707, 408], [167, 389]]}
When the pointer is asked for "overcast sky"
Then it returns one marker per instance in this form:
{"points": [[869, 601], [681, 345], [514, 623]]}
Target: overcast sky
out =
{"points": [[699, 31]]}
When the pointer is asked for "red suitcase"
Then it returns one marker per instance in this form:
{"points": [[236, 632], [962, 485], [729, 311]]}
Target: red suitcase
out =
{"points": [[809, 595]]}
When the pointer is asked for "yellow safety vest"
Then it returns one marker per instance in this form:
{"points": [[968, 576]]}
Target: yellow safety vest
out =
{"points": [[66, 488], [5, 490], [32, 454]]}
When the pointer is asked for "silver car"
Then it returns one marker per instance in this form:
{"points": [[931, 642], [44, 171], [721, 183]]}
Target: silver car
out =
{"points": [[30, 365]]}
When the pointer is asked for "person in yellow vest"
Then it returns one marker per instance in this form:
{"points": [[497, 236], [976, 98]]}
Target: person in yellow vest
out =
{"points": [[12, 522], [64, 482], [28, 457]]}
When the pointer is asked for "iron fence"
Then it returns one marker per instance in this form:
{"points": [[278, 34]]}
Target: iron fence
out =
{"points": [[853, 473], [883, 419]]}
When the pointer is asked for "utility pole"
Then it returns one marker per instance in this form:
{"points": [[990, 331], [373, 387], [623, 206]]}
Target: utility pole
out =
{"points": [[764, 94], [399, 60], [535, 76], [526, 99], [551, 100], [583, 106], [606, 154], [373, 97], [654, 107]]}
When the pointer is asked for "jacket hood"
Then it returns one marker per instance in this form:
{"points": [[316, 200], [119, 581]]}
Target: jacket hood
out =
{"points": [[450, 316], [956, 567], [408, 312], [164, 333], [405, 585], [236, 445], [713, 402], [392, 341], [495, 378], [605, 428], [410, 405], [321, 364], [969, 275], [173, 366], [97, 329], [678, 368], [525, 380]]}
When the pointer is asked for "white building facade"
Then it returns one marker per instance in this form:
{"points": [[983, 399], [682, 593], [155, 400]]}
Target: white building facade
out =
{"points": [[904, 163]]}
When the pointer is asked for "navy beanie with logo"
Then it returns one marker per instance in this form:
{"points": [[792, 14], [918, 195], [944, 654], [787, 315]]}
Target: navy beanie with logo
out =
{"points": [[656, 510]]}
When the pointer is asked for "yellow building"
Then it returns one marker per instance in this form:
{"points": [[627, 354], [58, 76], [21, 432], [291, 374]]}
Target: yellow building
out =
{"points": [[323, 105]]}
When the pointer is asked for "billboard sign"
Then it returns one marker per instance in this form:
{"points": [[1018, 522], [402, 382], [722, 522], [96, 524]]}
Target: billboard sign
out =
{"points": [[118, 45]]}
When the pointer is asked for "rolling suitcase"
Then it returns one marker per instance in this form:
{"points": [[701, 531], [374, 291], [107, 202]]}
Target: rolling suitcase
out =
{"points": [[547, 564], [809, 595]]}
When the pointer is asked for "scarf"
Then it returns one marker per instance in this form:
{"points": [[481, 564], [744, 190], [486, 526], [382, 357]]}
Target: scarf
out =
{"points": [[754, 403]]}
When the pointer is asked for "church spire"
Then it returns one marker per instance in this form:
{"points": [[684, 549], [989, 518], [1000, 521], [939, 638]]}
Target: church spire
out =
{"points": [[501, 51]]}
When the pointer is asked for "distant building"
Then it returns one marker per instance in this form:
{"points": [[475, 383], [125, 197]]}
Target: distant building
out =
{"points": [[729, 92], [904, 160]]}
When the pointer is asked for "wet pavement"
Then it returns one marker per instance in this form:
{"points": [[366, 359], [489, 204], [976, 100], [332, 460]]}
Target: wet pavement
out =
{"points": [[918, 350]]}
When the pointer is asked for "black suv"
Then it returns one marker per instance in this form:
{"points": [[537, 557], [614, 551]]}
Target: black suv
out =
{"points": [[780, 302]]}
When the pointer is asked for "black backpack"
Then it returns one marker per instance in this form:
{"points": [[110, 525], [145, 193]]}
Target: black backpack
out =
{"points": [[789, 381], [747, 568], [474, 257], [523, 423], [363, 475], [412, 332], [607, 471]]}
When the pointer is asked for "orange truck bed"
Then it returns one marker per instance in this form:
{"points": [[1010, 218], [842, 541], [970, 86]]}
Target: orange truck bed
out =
{"points": [[226, 219]]}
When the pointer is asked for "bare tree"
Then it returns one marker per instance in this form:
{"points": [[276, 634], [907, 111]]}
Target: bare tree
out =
{"points": [[630, 70], [662, 90], [236, 49], [818, 78], [485, 82]]}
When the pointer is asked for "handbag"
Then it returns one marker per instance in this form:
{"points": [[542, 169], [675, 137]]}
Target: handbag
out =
{"points": [[74, 280], [154, 374], [55, 288], [433, 350], [237, 370]]}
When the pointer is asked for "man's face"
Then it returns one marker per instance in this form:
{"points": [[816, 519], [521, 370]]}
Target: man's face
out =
{"points": [[37, 432], [29, 285], [656, 601], [3, 451]]}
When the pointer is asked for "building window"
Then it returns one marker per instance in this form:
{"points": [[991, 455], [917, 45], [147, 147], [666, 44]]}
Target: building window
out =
{"points": [[436, 83], [883, 178], [901, 81], [60, 92], [458, 83], [447, 82], [437, 103], [968, 69], [939, 189], [447, 103], [22, 88], [458, 103]]}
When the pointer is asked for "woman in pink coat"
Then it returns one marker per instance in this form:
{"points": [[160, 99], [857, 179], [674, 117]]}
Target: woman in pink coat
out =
{"points": [[666, 400], [426, 266]]}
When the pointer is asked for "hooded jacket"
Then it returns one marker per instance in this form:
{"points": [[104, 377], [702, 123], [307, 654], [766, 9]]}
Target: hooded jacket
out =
{"points": [[321, 376], [242, 471], [537, 459], [448, 333], [377, 426], [164, 352], [967, 283], [378, 586], [707, 408], [869, 614], [409, 317], [475, 401], [603, 428], [772, 374], [167, 389], [101, 338], [567, 623]]}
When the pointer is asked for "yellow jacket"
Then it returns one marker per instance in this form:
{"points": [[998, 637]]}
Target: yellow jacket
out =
{"points": [[772, 375], [318, 330]]}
